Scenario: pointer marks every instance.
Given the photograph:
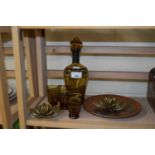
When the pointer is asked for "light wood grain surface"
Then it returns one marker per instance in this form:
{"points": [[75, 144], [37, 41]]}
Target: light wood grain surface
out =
{"points": [[20, 76], [5, 29], [96, 75], [103, 51], [146, 119], [96, 51], [30, 51], [87, 27], [41, 62], [4, 99]]}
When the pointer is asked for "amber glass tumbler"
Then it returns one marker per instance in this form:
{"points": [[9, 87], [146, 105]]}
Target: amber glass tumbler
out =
{"points": [[63, 97], [53, 94]]}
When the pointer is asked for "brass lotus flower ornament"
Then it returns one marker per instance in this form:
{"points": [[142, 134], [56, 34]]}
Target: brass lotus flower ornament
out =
{"points": [[43, 110], [46, 110], [110, 104]]}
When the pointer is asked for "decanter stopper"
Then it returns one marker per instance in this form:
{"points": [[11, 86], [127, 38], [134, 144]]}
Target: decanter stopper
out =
{"points": [[76, 44]]}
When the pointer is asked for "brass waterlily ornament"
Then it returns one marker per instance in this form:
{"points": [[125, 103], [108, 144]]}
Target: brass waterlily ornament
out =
{"points": [[110, 104], [42, 110], [46, 110]]}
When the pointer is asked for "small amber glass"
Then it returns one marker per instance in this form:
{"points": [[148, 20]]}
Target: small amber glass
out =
{"points": [[74, 104], [63, 97], [53, 94]]}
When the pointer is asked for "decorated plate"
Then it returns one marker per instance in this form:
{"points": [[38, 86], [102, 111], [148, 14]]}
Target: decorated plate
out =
{"points": [[112, 106], [10, 90], [11, 99], [13, 93]]}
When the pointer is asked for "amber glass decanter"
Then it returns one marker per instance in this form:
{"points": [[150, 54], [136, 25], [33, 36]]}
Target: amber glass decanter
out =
{"points": [[75, 76]]}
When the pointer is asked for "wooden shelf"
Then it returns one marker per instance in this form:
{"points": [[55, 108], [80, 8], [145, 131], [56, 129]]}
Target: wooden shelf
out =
{"points": [[8, 51], [96, 51], [146, 119], [35, 49], [104, 51], [86, 27], [106, 75], [97, 75], [8, 112], [5, 29]]}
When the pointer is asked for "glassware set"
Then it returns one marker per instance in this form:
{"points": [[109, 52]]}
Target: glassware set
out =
{"points": [[71, 95]]}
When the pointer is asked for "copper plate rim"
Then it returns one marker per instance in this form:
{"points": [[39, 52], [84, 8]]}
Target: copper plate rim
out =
{"points": [[139, 107]]}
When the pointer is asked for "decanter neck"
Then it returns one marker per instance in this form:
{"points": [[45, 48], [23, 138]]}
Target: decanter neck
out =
{"points": [[76, 45], [75, 57]]}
